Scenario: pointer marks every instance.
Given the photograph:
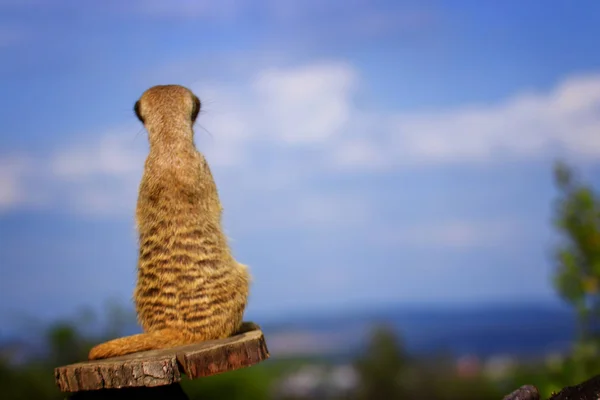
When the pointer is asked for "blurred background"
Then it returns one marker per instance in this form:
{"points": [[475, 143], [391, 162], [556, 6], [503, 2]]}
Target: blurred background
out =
{"points": [[412, 184]]}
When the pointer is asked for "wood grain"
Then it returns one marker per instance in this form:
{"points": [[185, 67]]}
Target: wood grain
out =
{"points": [[165, 367]]}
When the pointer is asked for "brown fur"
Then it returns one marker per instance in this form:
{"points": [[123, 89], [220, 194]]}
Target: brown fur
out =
{"points": [[189, 287]]}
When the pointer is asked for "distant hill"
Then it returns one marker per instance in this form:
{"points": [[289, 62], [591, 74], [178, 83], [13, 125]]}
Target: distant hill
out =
{"points": [[521, 330]]}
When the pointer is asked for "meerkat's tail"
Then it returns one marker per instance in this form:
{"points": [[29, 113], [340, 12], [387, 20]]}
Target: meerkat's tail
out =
{"points": [[141, 342]]}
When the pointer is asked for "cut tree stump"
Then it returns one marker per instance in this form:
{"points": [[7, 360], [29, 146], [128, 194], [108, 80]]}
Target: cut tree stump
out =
{"points": [[135, 374]]}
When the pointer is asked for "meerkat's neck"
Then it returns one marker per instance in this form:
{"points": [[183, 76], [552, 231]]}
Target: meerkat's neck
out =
{"points": [[170, 136]]}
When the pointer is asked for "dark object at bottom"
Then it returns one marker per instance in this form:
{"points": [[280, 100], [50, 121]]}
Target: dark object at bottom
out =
{"points": [[173, 391], [588, 390]]}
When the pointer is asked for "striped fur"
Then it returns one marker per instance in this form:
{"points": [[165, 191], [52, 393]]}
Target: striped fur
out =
{"points": [[189, 286]]}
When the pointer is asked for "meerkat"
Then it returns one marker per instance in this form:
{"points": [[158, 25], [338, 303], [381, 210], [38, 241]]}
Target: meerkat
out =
{"points": [[189, 286]]}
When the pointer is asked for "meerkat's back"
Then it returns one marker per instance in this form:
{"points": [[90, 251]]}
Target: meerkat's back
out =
{"points": [[190, 288]]}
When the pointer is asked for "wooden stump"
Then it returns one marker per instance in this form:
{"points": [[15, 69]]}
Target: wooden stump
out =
{"points": [[157, 372]]}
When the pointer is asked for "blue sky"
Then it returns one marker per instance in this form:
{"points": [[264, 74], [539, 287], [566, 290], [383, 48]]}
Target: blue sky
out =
{"points": [[366, 152]]}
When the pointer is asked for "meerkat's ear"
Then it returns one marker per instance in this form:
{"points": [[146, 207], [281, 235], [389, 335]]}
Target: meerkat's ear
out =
{"points": [[196, 109], [138, 114]]}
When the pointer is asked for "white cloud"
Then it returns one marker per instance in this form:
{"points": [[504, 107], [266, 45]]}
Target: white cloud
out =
{"points": [[113, 154], [307, 104], [359, 152], [95, 178], [566, 120]]}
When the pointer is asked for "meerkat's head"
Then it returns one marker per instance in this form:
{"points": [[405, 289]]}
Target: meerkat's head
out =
{"points": [[167, 104]]}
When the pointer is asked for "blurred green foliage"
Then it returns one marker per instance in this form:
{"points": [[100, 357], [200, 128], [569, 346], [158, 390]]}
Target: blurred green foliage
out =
{"points": [[382, 367], [577, 281], [386, 371], [577, 257]]}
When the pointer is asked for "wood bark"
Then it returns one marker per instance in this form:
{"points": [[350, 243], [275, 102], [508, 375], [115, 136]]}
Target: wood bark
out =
{"points": [[164, 367]]}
